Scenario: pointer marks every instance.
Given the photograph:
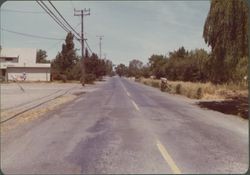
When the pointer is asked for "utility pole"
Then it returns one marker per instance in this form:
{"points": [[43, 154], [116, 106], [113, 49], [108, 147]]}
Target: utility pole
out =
{"points": [[82, 13], [100, 45]]}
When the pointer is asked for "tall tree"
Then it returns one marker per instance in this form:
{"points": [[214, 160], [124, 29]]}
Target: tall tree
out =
{"points": [[121, 70], [66, 59], [41, 56], [157, 65], [179, 53], [226, 31], [108, 66], [135, 67]]}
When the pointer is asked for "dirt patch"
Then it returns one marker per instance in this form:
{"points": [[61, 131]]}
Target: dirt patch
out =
{"points": [[235, 106], [34, 113]]}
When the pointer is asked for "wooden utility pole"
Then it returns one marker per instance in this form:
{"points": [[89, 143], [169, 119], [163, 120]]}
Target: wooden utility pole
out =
{"points": [[82, 13], [100, 45]]}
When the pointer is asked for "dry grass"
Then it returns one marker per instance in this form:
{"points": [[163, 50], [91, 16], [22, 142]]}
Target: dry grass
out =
{"points": [[201, 90], [34, 113]]}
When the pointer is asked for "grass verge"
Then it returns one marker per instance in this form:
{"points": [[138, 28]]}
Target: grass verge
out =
{"points": [[233, 97], [201, 90]]}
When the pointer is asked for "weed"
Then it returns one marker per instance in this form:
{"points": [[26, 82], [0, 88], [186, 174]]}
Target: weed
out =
{"points": [[199, 93], [178, 89]]}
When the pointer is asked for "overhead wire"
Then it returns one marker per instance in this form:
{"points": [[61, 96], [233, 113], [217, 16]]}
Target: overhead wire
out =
{"points": [[88, 47], [30, 35], [53, 16], [47, 10], [22, 11], [63, 18], [77, 25], [53, 46]]}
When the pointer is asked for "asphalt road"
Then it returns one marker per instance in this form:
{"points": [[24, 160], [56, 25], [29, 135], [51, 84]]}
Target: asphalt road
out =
{"points": [[127, 127]]}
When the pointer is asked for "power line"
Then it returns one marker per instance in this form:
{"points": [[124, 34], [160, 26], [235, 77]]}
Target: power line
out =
{"points": [[63, 18], [77, 25], [21, 11], [88, 46], [29, 35], [53, 46], [53, 16]]}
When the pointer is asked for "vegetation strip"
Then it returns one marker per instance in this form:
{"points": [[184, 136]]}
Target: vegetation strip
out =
{"points": [[19, 113]]}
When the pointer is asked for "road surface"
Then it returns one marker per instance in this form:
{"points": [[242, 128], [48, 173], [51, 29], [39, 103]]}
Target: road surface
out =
{"points": [[127, 127]]}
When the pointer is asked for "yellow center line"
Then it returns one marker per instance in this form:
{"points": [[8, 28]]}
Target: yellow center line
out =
{"points": [[128, 94], [161, 148], [135, 105], [125, 90], [123, 86], [168, 158]]}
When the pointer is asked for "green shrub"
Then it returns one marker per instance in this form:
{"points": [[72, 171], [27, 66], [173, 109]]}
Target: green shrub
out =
{"points": [[178, 89], [99, 78], [137, 77], [55, 76], [82, 80], [169, 88], [89, 78], [63, 78], [59, 76], [199, 93]]}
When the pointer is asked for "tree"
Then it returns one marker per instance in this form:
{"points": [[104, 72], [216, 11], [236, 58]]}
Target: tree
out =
{"points": [[108, 66], [97, 67], [179, 53], [41, 56], [146, 71], [66, 60], [157, 65], [226, 31], [198, 59], [134, 68], [178, 65], [121, 70], [241, 69]]}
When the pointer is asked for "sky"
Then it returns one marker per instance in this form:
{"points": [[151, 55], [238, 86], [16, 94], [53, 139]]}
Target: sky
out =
{"points": [[131, 29]]}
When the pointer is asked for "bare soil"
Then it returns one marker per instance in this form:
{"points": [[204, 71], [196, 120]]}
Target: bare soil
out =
{"points": [[235, 106]]}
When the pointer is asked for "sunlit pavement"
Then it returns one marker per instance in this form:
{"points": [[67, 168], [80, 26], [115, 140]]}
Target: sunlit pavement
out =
{"points": [[127, 127]]}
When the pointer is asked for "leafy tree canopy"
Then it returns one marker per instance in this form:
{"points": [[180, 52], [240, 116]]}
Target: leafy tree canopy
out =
{"points": [[41, 56]]}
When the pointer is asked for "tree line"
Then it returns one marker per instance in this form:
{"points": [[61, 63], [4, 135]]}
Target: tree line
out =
{"points": [[180, 65], [225, 30], [67, 65]]}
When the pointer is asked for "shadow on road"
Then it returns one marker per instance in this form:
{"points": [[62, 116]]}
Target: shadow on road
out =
{"points": [[235, 106]]}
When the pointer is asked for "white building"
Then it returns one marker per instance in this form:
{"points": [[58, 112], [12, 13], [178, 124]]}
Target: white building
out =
{"points": [[20, 64]]}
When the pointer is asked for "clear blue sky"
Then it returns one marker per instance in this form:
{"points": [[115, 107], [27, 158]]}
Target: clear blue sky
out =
{"points": [[132, 30]]}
